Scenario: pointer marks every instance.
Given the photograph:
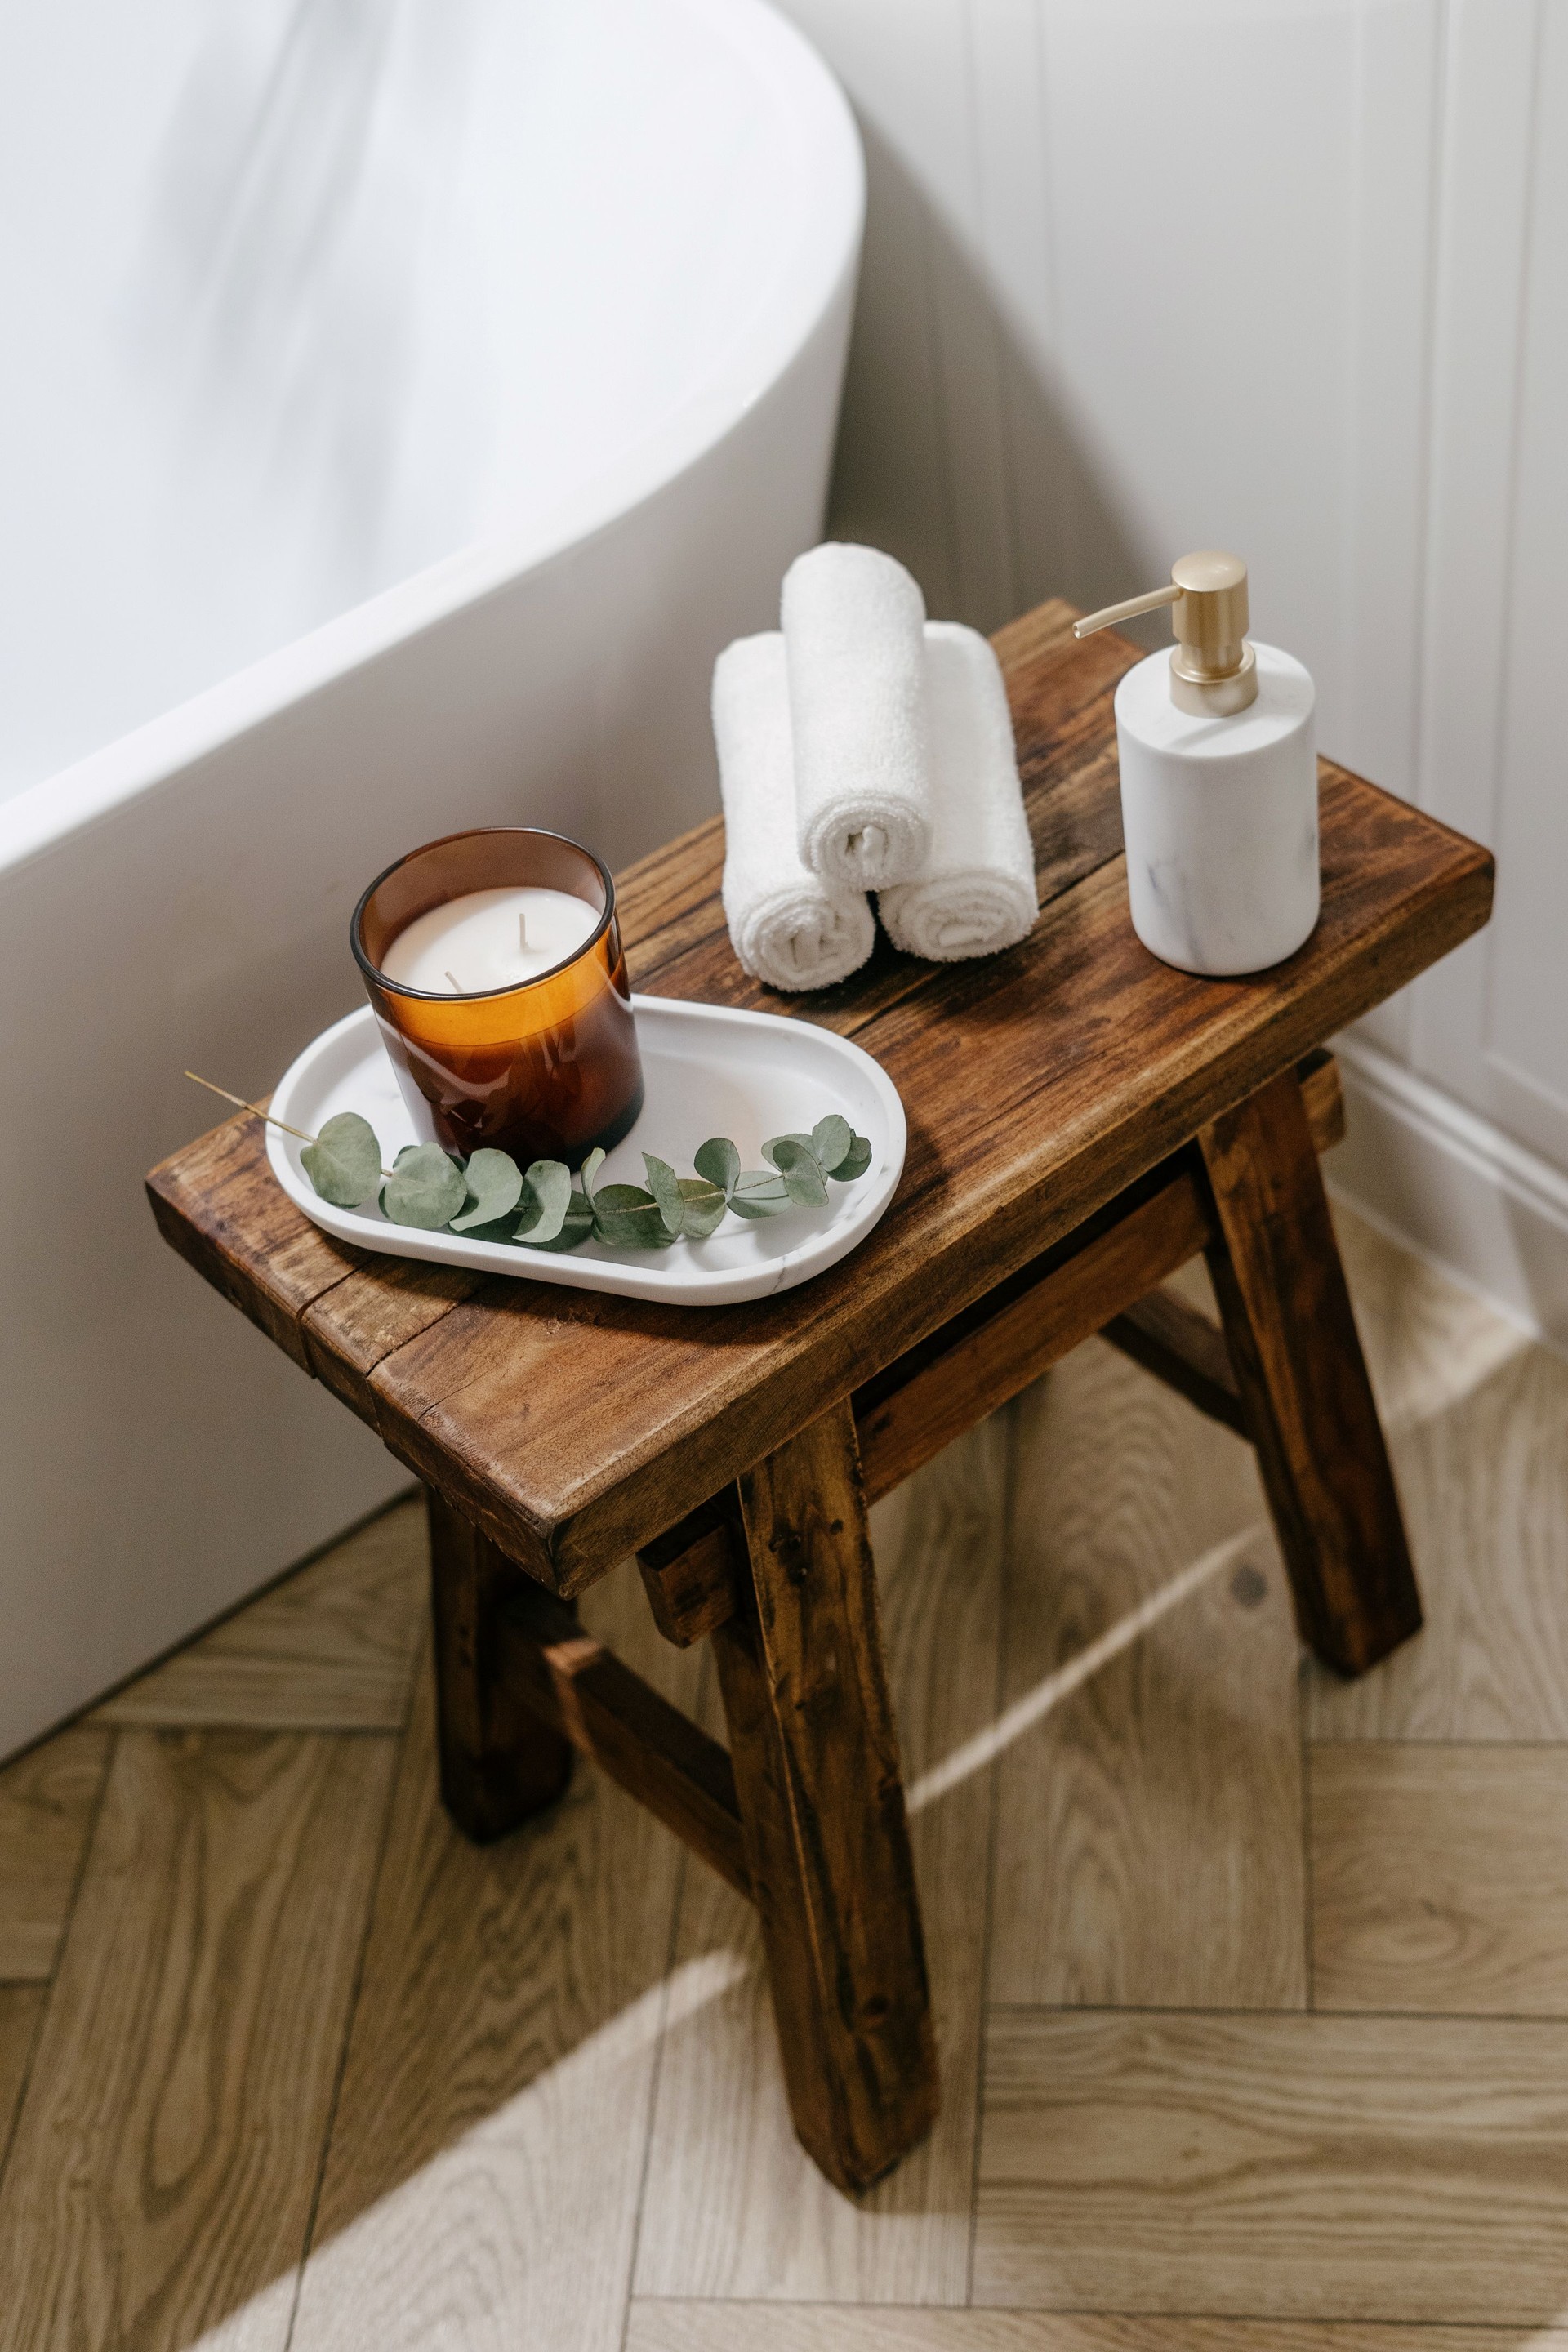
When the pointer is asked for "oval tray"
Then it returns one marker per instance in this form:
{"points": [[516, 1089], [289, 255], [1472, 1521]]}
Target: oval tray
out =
{"points": [[708, 1070]]}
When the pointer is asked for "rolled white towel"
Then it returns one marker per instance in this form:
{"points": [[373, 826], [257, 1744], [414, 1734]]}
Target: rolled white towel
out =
{"points": [[789, 927], [852, 621], [976, 893]]}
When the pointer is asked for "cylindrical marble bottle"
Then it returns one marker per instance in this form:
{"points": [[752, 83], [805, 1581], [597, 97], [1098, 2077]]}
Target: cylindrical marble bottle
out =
{"points": [[1219, 782]]}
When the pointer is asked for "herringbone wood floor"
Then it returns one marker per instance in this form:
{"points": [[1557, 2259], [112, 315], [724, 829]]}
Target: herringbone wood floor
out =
{"points": [[1253, 1988]]}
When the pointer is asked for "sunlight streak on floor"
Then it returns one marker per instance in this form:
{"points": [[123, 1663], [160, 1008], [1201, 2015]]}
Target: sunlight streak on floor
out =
{"points": [[975, 1754], [506, 2199]]}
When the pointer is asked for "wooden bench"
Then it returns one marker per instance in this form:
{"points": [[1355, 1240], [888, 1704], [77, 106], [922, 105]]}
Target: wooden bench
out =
{"points": [[1082, 1121]]}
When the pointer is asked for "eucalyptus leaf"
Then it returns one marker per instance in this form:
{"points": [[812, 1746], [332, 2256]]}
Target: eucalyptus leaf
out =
{"points": [[495, 1188], [625, 1217], [547, 1197], [665, 1186], [856, 1162], [804, 1180], [576, 1226], [702, 1207], [589, 1169], [344, 1161], [424, 1189], [719, 1162], [769, 1149], [761, 1193], [831, 1139]]}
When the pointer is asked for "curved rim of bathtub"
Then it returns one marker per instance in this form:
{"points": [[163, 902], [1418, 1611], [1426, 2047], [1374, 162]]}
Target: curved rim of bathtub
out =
{"points": [[785, 312]]}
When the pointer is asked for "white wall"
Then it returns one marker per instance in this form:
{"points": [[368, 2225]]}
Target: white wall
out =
{"points": [[1290, 275]]}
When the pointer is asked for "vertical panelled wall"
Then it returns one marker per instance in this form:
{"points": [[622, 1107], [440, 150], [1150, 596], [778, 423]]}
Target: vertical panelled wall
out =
{"points": [[1290, 275]]}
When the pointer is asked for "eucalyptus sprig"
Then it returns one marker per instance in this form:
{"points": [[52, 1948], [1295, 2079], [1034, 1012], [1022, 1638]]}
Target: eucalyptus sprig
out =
{"points": [[490, 1197]]}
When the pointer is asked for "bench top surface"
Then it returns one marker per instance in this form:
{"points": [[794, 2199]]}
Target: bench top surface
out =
{"points": [[572, 1426]]}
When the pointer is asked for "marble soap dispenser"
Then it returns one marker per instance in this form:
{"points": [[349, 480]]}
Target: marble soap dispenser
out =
{"points": [[1219, 780]]}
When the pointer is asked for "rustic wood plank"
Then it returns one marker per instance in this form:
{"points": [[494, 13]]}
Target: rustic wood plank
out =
{"points": [[500, 1764], [1149, 1816], [690, 1571], [1116, 1061], [973, 1364], [993, 1351], [1479, 1436], [1046, 629], [1412, 2169], [663, 890], [968, 1368], [701, 2326], [508, 1397], [487, 2152], [1298, 1360], [1110, 1064], [47, 1799], [734, 2205], [165, 2158], [373, 1311], [929, 1396], [816, 1768], [1185, 1349], [1440, 1878], [1324, 1097], [331, 1648], [218, 1204], [588, 1696], [21, 2014]]}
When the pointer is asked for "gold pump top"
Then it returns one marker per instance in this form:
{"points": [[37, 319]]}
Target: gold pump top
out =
{"points": [[1214, 671]]}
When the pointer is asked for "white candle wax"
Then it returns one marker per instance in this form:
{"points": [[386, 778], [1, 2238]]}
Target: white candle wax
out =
{"points": [[488, 938]]}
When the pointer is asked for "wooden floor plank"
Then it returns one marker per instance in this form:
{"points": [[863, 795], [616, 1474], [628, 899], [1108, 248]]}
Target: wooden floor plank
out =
{"points": [[1323, 2168], [1429, 1344], [1485, 1485], [330, 1649], [1440, 1878], [1477, 1420], [818, 2327], [1476, 1417], [1148, 1839], [47, 1798], [482, 2185], [734, 2206], [161, 2178]]}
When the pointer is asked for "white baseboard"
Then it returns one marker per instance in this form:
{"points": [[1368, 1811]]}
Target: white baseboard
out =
{"points": [[1455, 1189]]}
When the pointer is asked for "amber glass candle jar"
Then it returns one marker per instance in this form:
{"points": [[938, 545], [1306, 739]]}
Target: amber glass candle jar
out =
{"points": [[544, 1068]]}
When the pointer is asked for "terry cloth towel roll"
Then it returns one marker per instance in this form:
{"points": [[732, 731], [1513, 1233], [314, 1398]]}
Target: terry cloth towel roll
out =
{"points": [[852, 621], [976, 893], [788, 926]]}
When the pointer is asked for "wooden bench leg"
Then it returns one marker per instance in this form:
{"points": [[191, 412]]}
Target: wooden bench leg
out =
{"points": [[498, 1762], [815, 1759], [1303, 1382]]}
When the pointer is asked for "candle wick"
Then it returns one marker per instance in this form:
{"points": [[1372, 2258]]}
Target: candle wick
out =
{"points": [[456, 984], [522, 930]]}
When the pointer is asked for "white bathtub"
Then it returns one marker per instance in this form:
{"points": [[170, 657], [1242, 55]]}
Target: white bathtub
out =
{"points": [[412, 399]]}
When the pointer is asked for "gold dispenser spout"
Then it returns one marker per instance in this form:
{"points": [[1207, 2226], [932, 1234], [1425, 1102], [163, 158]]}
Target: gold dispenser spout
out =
{"points": [[1214, 671]]}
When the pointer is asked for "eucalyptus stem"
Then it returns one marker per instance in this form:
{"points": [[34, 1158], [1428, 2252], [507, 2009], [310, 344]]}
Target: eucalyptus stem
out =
{"points": [[256, 1112]]}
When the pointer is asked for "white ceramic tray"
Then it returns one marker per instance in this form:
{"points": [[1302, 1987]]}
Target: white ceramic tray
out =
{"points": [[708, 1071]]}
